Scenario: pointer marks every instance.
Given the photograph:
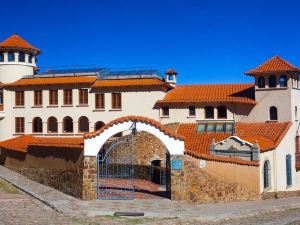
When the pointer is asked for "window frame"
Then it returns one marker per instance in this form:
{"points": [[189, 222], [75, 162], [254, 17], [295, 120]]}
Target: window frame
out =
{"points": [[19, 125], [83, 95], [283, 76], [273, 115], [53, 97], [116, 101], [19, 98], [48, 125], [271, 80], [11, 57], [165, 111], [101, 125], [259, 84], [79, 125], [99, 104], [192, 111], [1, 57], [65, 125], [21, 57], [289, 178], [219, 111], [206, 108], [39, 125], [267, 175], [38, 98], [68, 97]]}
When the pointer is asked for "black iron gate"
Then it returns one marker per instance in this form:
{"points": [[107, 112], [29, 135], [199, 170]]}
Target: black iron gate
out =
{"points": [[116, 169]]}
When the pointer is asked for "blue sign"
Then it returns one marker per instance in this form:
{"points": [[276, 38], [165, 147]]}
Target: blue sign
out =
{"points": [[177, 164]]}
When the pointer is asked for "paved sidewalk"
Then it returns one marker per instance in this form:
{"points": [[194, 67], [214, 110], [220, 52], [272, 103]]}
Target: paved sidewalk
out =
{"points": [[151, 207]]}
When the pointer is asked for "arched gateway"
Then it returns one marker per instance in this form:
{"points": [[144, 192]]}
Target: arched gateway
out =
{"points": [[96, 159]]}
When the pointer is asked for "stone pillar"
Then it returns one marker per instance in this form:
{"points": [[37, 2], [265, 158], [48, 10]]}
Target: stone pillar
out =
{"points": [[89, 189], [177, 177]]}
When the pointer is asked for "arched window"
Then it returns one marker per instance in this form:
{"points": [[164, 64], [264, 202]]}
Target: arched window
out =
{"points": [[30, 58], [11, 57], [68, 124], [261, 82], [1, 57], [209, 112], [222, 112], [267, 174], [52, 125], [288, 170], [273, 113], [83, 124], [98, 125], [283, 81], [37, 125], [272, 81], [21, 57]]}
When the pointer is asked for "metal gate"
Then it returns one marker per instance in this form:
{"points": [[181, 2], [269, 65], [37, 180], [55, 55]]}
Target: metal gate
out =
{"points": [[116, 169]]}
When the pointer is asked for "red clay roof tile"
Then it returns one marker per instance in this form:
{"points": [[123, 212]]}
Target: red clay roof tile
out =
{"points": [[221, 93], [52, 81], [273, 65], [16, 42]]}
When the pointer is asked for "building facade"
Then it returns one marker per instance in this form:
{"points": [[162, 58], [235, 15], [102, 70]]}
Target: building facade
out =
{"points": [[220, 122]]}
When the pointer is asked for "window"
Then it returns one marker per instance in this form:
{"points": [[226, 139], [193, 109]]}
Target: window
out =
{"points": [[83, 124], [38, 98], [215, 127], [267, 174], [19, 125], [11, 57], [53, 97], [21, 57], [171, 77], [52, 125], [68, 124], [296, 113], [19, 98], [272, 81], [165, 111], [83, 97], [1, 97], [116, 101], [283, 81], [1, 57], [209, 112], [192, 111], [288, 170], [68, 97], [273, 113], [98, 125], [37, 125], [99, 101], [261, 82], [222, 112], [30, 58]]}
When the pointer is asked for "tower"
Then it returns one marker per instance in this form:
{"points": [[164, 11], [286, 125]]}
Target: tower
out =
{"points": [[171, 76], [276, 91], [17, 58]]}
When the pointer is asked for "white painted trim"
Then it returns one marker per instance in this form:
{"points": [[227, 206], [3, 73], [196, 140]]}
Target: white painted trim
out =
{"points": [[94, 144], [237, 139]]}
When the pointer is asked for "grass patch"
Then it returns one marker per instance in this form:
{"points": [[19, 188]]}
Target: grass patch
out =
{"points": [[8, 188]]}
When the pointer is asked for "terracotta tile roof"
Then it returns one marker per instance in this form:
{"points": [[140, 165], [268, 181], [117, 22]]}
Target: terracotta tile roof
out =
{"points": [[137, 82], [152, 122], [21, 143], [221, 93], [273, 65], [268, 135], [16, 42], [52, 81], [171, 72]]}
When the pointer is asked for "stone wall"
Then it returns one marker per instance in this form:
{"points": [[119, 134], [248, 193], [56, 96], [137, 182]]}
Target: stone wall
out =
{"points": [[280, 194], [67, 181], [89, 179], [196, 186]]}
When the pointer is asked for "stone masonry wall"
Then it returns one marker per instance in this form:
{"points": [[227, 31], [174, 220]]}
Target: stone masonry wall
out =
{"points": [[196, 186], [89, 179], [67, 181]]}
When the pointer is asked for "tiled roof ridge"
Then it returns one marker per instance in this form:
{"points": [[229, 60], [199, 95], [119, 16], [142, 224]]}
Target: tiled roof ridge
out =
{"points": [[221, 159], [215, 84], [142, 119]]}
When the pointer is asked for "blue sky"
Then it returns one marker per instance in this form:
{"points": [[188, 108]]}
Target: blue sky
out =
{"points": [[206, 41]]}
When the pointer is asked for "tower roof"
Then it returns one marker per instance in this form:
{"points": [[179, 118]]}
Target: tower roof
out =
{"points": [[273, 65], [16, 42]]}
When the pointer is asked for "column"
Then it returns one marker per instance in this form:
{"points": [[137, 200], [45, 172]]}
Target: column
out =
{"points": [[90, 179]]}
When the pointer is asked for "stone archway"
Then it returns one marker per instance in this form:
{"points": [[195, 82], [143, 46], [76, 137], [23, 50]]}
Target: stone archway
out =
{"points": [[94, 141]]}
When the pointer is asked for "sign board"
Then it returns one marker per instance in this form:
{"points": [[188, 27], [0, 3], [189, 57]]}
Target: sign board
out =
{"points": [[202, 163], [177, 164]]}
